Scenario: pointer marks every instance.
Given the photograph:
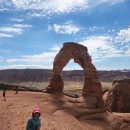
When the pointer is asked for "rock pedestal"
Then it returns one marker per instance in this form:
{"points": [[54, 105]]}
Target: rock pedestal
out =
{"points": [[92, 85], [118, 98]]}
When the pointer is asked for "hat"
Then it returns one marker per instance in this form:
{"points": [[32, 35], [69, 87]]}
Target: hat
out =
{"points": [[36, 110]]}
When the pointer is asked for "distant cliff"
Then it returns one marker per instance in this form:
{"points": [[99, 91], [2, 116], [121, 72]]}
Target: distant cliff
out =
{"points": [[39, 75]]}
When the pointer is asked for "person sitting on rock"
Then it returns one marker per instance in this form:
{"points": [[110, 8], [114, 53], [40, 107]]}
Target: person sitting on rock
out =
{"points": [[34, 123]]}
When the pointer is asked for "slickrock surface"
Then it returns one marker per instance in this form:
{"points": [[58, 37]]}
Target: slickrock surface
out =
{"points": [[59, 112]]}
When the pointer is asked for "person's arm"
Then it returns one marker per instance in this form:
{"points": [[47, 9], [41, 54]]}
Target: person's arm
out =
{"points": [[28, 125], [39, 126]]}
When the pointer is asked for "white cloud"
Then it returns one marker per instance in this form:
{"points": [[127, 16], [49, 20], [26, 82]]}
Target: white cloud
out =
{"points": [[111, 30], [128, 52], [3, 9], [11, 30], [56, 48], [22, 25], [123, 35], [95, 28], [97, 2], [43, 60], [5, 35], [53, 6], [17, 20], [101, 47], [49, 5], [66, 28], [24, 66]]}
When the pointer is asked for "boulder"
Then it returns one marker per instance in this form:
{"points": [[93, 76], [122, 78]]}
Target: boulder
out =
{"points": [[118, 98]]}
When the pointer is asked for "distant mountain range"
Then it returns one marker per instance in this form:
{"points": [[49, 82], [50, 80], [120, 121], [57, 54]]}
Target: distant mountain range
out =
{"points": [[39, 75]]}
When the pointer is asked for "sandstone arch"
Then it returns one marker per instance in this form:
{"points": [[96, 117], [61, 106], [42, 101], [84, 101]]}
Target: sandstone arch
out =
{"points": [[71, 50]]}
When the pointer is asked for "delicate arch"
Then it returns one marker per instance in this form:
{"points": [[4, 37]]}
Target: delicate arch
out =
{"points": [[71, 50]]}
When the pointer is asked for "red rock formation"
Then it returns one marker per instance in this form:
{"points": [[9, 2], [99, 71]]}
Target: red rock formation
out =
{"points": [[70, 50], [118, 98]]}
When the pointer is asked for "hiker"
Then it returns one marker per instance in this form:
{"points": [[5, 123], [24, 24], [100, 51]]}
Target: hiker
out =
{"points": [[34, 123], [16, 89], [76, 95], [4, 93]]}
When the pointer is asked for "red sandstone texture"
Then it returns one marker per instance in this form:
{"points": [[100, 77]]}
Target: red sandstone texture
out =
{"points": [[118, 97], [92, 87], [59, 112]]}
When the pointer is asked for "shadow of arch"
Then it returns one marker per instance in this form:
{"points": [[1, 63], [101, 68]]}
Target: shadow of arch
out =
{"points": [[71, 50]]}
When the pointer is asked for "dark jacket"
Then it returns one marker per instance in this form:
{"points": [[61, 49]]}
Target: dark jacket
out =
{"points": [[33, 124]]}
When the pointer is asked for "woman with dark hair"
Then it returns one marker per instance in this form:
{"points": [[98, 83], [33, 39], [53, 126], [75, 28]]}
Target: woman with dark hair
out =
{"points": [[34, 123]]}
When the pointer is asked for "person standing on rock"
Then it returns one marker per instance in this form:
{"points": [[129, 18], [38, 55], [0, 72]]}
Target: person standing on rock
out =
{"points": [[16, 89], [76, 96], [34, 123], [4, 94]]}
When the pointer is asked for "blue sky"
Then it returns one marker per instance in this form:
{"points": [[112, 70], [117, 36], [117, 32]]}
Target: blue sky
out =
{"points": [[33, 31]]}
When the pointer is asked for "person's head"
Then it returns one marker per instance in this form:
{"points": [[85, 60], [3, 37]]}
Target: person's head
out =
{"points": [[36, 113]]}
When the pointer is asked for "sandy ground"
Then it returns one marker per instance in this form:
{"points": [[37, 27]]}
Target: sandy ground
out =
{"points": [[15, 111]]}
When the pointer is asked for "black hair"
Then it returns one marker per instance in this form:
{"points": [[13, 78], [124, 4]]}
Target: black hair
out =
{"points": [[33, 114]]}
